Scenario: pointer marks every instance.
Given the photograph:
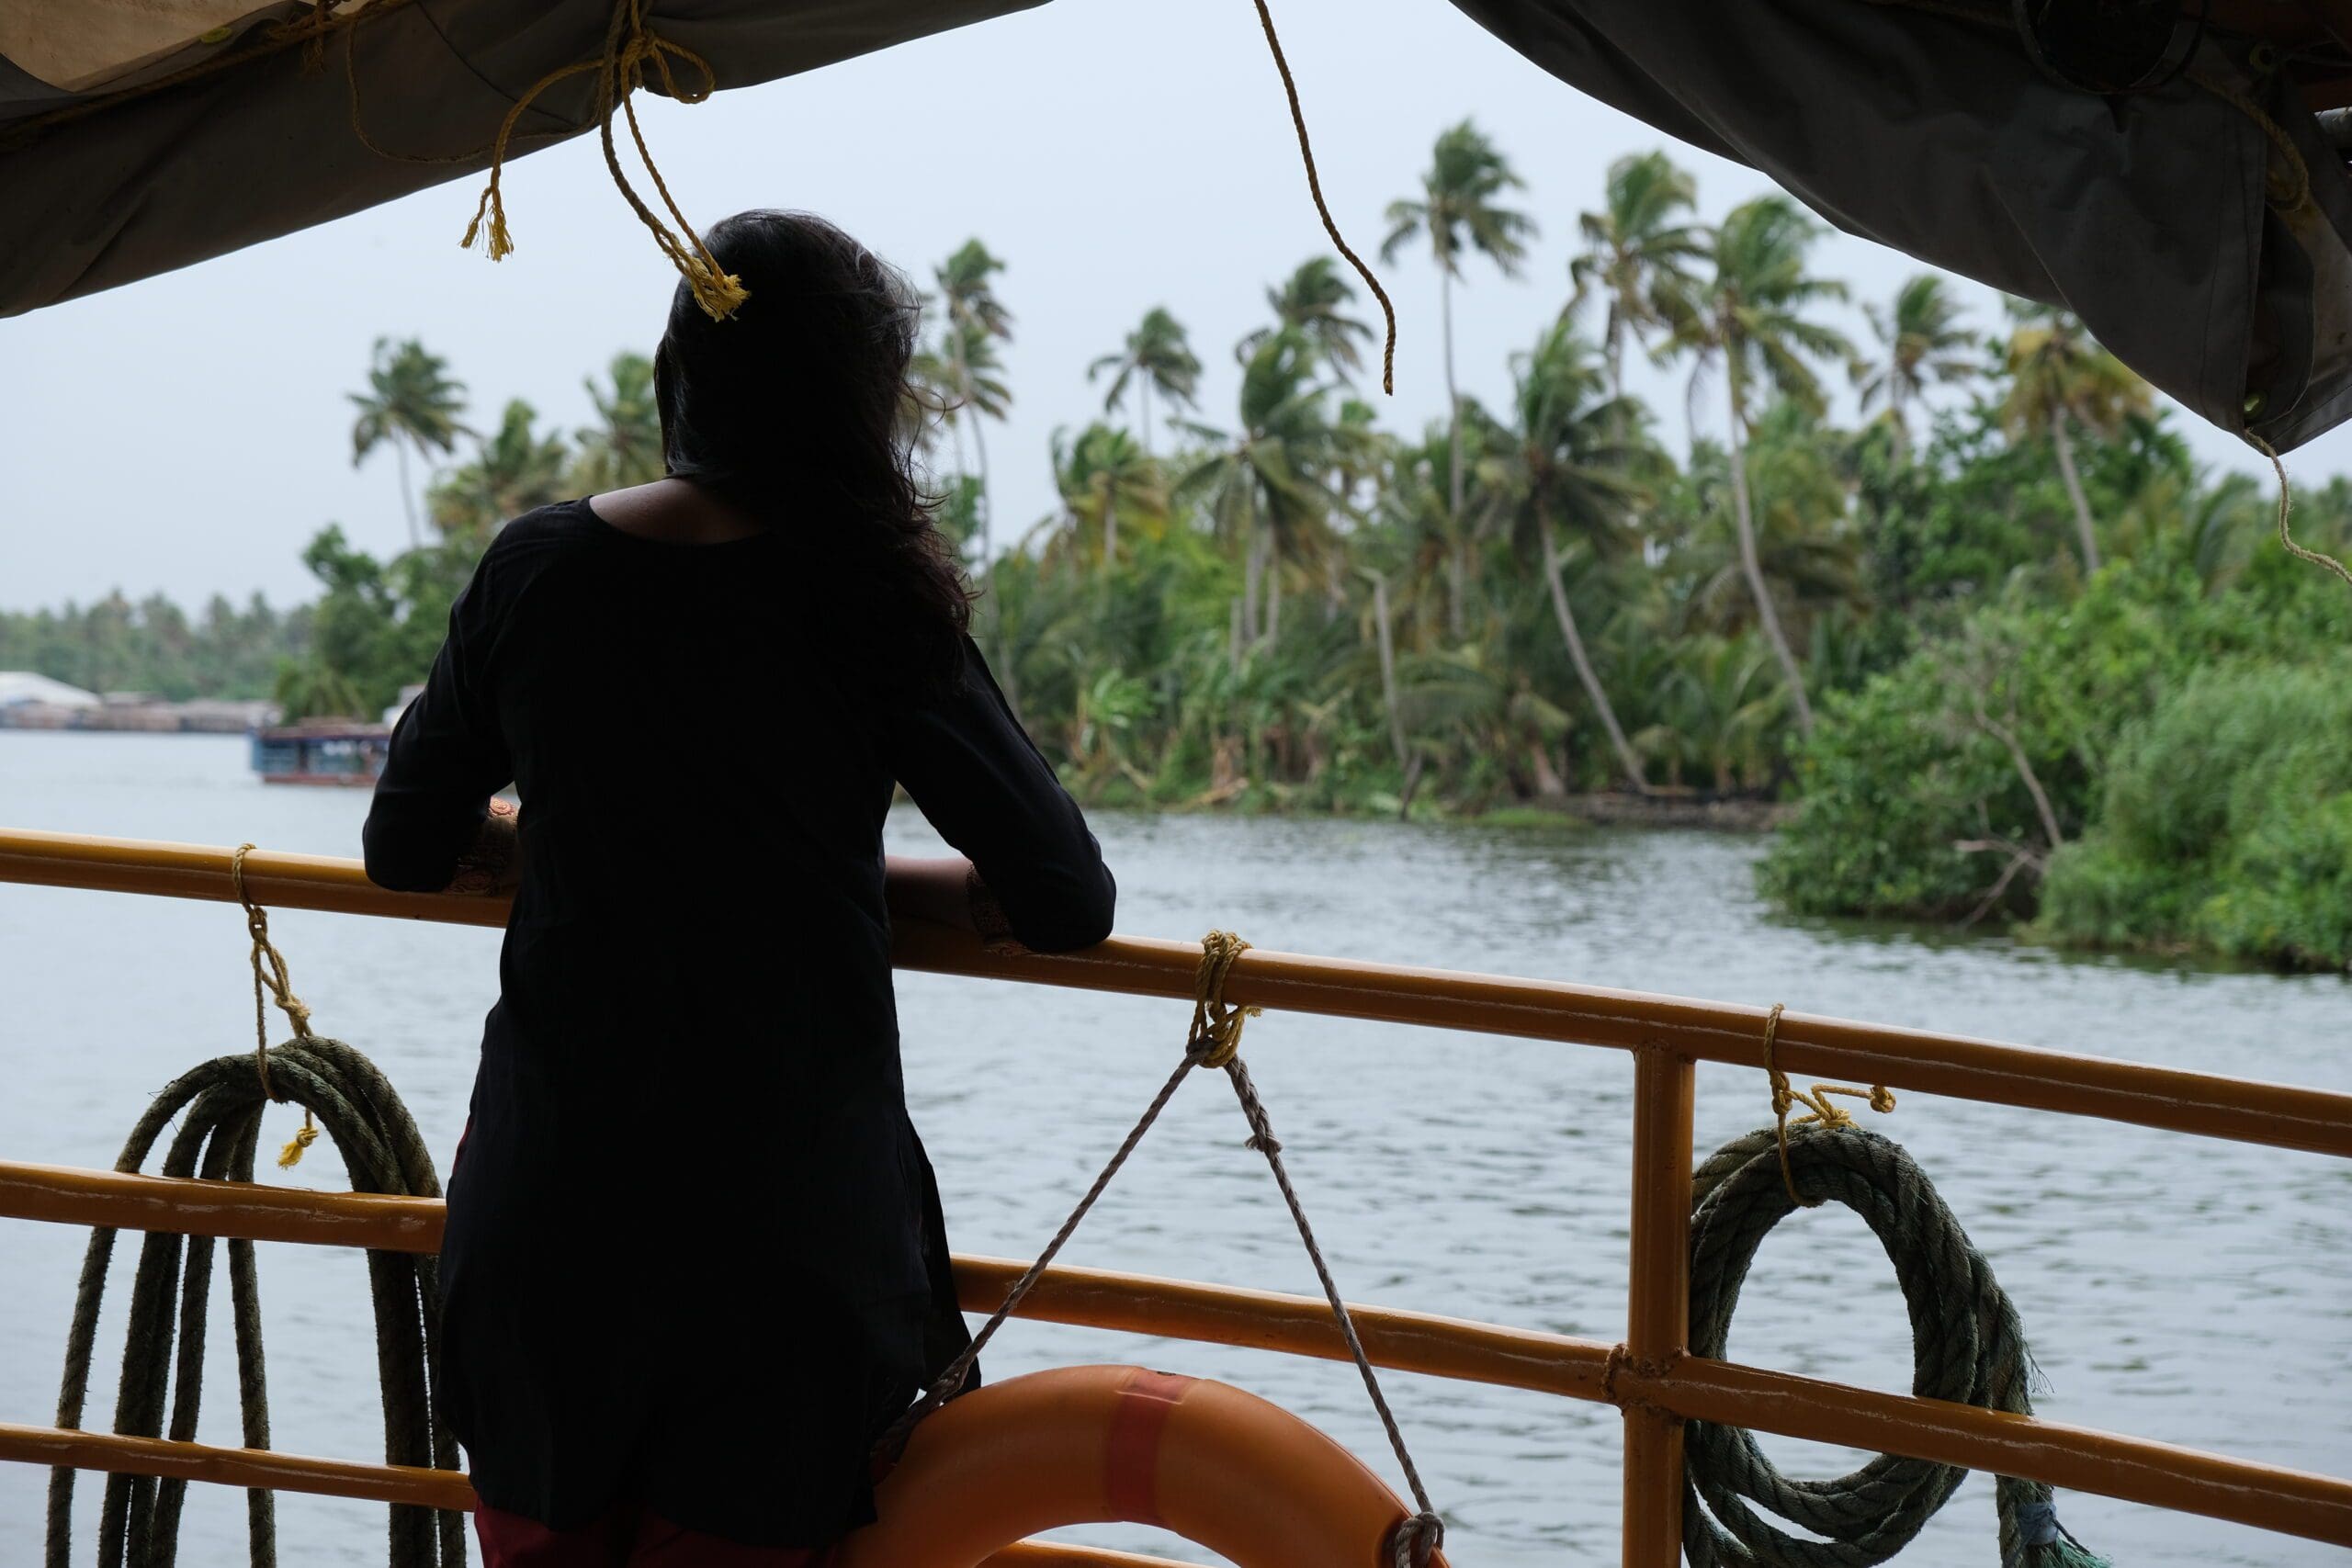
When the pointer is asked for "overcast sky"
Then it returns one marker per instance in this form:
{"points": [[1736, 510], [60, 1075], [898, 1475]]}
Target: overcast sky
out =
{"points": [[190, 434]]}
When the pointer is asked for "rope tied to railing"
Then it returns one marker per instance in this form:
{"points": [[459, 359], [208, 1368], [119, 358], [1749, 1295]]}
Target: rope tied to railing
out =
{"points": [[215, 1113], [270, 975], [1212, 1040], [1968, 1344], [1819, 1107]]}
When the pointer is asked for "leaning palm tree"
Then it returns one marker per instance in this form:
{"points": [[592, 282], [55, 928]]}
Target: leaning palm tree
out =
{"points": [[2060, 377], [411, 402], [1751, 320], [1570, 462], [624, 447], [1921, 343], [1460, 210], [1313, 302], [1639, 251], [976, 320], [1263, 485], [1156, 356]]}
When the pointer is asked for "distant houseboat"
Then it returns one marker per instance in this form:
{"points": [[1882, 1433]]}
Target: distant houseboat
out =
{"points": [[321, 751]]}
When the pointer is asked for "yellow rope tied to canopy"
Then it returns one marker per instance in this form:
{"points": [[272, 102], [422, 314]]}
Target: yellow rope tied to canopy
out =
{"points": [[630, 47], [269, 975], [1817, 1103]]}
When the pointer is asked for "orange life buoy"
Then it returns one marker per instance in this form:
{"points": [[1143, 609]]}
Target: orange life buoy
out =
{"points": [[1098, 1445]]}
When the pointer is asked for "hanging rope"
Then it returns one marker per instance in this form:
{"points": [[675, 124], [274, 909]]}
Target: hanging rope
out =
{"points": [[1214, 1040], [1323, 210], [2286, 507], [1968, 1344], [269, 975], [630, 45], [219, 1106], [1819, 1110]]}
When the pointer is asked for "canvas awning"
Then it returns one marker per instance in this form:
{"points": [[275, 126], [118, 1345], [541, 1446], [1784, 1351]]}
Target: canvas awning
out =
{"points": [[136, 136], [2202, 228]]}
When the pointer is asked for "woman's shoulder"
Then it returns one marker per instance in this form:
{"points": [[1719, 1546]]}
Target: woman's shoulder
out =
{"points": [[543, 531]]}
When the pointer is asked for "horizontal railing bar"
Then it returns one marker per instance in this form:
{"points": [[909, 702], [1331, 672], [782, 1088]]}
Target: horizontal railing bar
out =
{"points": [[272, 1471], [2081, 1459], [2247, 1111], [2137, 1470]]}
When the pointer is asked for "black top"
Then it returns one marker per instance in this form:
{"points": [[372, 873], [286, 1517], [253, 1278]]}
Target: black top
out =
{"points": [[695, 1257]]}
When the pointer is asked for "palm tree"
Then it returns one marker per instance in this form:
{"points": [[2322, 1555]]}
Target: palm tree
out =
{"points": [[1103, 475], [2060, 377], [1750, 318], [1461, 208], [1639, 249], [1570, 462], [976, 320], [1265, 485], [410, 402], [1923, 345], [1157, 357], [1313, 302], [513, 469], [624, 447]]}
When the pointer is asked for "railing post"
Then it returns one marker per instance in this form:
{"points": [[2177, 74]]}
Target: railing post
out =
{"points": [[1658, 1305]]}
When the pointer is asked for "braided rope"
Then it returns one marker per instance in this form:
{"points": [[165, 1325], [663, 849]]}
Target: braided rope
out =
{"points": [[269, 973], [1968, 1346], [1214, 1040], [220, 1107]]}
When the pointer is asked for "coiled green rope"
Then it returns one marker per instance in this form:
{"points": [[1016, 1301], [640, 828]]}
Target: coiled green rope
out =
{"points": [[1967, 1346], [223, 1101]]}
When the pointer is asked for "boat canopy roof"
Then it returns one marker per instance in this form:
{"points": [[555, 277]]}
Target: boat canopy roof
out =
{"points": [[2154, 165]]}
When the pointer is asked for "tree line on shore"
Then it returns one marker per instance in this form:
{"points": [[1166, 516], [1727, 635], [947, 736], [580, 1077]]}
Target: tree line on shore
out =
{"points": [[2014, 654]]}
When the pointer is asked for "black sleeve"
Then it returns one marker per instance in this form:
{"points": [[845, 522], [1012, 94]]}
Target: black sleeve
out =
{"points": [[448, 757], [976, 774]]}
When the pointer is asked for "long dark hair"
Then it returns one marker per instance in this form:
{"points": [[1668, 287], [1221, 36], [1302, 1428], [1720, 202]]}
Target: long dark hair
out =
{"points": [[795, 409]]}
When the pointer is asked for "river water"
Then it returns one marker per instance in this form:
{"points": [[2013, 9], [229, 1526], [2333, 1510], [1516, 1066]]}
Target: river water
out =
{"points": [[2176, 1288]]}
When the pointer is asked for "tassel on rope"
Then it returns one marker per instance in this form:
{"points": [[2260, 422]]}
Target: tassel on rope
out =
{"points": [[630, 45], [270, 976], [1819, 1107]]}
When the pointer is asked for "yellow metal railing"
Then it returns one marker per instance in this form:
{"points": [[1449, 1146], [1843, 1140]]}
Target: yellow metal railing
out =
{"points": [[1651, 1377]]}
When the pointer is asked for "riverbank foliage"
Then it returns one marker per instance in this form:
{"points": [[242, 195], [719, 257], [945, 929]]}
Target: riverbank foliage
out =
{"points": [[155, 647], [1975, 636]]}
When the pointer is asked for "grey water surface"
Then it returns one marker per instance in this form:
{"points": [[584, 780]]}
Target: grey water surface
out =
{"points": [[2178, 1288]]}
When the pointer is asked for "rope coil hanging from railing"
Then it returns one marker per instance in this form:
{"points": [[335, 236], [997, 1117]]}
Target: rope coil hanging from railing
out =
{"points": [[220, 1107], [1968, 1343]]}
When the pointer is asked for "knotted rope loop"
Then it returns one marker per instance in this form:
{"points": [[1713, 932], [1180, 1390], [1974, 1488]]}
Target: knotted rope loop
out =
{"points": [[631, 45], [1214, 1040], [1215, 1036], [1967, 1346], [1819, 1109], [270, 976]]}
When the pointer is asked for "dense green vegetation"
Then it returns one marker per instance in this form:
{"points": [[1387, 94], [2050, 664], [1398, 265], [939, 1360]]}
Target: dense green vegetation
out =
{"points": [[155, 647], [2015, 656]]}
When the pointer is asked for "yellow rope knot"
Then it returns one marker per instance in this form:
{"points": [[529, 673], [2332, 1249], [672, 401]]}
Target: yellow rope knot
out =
{"points": [[269, 975], [630, 47], [1818, 1107], [1216, 1024]]}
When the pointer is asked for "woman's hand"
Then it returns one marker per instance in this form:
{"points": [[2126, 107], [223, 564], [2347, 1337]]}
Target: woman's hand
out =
{"points": [[946, 891], [492, 864]]}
